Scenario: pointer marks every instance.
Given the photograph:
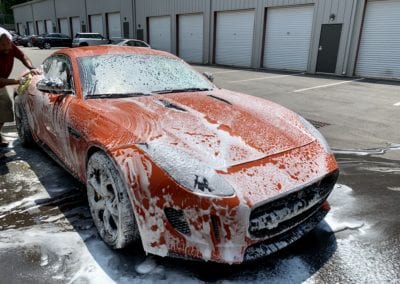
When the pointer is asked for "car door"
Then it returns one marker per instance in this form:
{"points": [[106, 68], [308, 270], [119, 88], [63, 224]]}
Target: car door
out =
{"points": [[57, 40], [66, 40], [56, 107], [53, 39]]}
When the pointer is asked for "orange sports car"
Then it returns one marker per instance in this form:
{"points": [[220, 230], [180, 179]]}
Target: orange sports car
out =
{"points": [[169, 159]]}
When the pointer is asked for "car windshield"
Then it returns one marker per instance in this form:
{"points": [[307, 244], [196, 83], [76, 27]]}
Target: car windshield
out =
{"points": [[127, 74]]}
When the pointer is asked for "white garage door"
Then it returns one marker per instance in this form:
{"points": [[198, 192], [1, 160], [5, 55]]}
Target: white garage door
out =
{"points": [[40, 27], [96, 23], [76, 25], [114, 25], [49, 26], [21, 29], [64, 27], [379, 53], [31, 30], [160, 33], [234, 38], [288, 37], [191, 38]]}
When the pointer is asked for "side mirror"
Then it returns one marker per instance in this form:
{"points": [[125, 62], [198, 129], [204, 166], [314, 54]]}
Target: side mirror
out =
{"points": [[209, 76], [56, 86]]}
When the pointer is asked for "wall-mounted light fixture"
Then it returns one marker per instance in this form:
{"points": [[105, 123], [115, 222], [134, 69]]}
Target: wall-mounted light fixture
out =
{"points": [[332, 17]]}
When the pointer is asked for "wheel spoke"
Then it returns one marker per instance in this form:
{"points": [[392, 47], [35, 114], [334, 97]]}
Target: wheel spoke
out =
{"points": [[104, 182], [107, 225], [112, 206], [98, 205]]}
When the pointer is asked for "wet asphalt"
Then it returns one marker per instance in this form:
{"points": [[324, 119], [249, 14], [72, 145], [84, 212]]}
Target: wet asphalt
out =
{"points": [[358, 242]]}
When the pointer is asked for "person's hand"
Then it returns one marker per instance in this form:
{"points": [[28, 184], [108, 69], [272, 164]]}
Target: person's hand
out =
{"points": [[22, 80], [35, 71]]}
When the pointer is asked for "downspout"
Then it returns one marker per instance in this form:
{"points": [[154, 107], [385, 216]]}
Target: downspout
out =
{"points": [[134, 19], [55, 18], [211, 36], [86, 19], [33, 22], [349, 38]]}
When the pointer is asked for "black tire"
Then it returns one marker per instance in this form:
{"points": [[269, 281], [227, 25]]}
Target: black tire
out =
{"points": [[47, 45], [29, 44], [21, 121], [83, 44], [109, 202]]}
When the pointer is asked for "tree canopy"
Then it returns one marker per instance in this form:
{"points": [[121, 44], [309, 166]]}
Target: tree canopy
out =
{"points": [[7, 4]]}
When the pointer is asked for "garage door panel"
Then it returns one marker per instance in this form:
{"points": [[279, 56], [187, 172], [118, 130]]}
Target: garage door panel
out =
{"points": [[41, 28], [288, 37], [160, 33], [191, 38], [114, 25], [379, 52], [49, 26], [234, 38], [96, 23], [64, 27], [76, 25], [21, 29], [31, 29]]}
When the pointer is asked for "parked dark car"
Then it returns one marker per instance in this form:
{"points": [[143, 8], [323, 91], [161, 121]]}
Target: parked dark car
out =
{"points": [[27, 40], [15, 37], [35, 41], [48, 41]]}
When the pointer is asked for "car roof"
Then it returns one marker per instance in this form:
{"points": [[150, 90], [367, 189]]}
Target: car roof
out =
{"points": [[109, 49]]}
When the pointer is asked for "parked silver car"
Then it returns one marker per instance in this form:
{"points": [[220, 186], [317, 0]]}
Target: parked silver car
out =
{"points": [[86, 39], [131, 42]]}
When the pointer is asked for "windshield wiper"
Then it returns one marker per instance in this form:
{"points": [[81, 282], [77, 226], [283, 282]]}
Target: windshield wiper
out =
{"points": [[116, 95], [182, 90]]}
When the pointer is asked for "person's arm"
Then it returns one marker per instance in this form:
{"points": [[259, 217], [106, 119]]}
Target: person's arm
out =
{"points": [[5, 82], [25, 60]]}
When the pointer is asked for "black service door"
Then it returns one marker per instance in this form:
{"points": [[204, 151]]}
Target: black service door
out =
{"points": [[328, 48]]}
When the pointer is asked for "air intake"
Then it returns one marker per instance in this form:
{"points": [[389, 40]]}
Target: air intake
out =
{"points": [[177, 220]]}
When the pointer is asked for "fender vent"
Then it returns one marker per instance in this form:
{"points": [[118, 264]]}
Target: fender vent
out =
{"points": [[220, 99], [171, 105], [177, 220]]}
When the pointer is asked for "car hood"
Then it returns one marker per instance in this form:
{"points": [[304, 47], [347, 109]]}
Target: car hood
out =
{"points": [[219, 128]]}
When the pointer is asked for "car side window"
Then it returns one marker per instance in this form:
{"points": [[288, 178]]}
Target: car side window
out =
{"points": [[58, 67], [140, 44]]}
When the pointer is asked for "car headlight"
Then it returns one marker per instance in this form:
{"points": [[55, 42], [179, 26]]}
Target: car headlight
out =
{"points": [[315, 133], [187, 171]]}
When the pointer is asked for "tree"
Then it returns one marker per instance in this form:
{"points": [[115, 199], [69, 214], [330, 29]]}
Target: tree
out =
{"points": [[5, 5]]}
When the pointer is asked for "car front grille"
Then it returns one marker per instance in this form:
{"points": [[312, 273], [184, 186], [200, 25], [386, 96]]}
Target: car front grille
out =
{"points": [[279, 216]]}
